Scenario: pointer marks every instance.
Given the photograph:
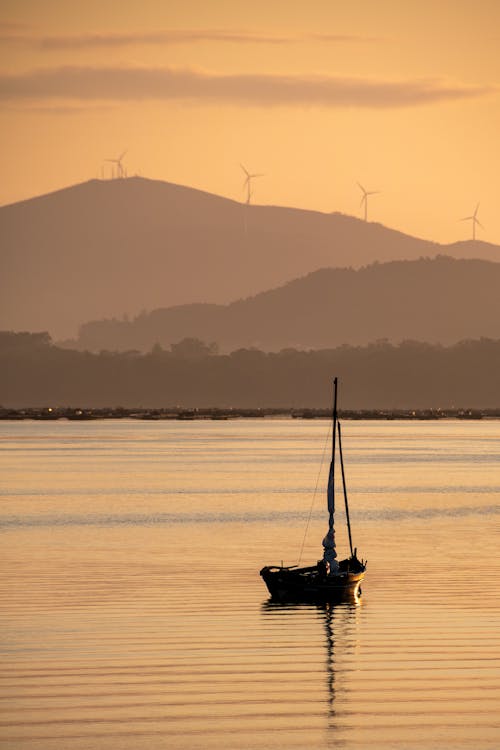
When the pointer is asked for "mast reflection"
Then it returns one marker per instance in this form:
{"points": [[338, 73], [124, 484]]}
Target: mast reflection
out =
{"points": [[338, 619]]}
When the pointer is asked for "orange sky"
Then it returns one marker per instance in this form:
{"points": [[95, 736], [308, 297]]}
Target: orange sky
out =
{"points": [[400, 95]]}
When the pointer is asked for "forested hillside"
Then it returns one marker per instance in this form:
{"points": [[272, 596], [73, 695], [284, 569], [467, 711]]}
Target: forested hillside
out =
{"points": [[411, 375]]}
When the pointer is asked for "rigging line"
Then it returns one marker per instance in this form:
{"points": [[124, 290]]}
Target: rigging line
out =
{"points": [[344, 486], [327, 440]]}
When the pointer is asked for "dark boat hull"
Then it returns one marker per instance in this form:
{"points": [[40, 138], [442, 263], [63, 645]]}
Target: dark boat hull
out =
{"points": [[310, 584]]}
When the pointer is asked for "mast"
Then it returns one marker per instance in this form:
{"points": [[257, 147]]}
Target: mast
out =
{"points": [[345, 492], [329, 548]]}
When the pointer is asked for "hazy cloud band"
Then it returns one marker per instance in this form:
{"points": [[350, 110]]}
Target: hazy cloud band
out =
{"points": [[168, 36], [136, 84]]}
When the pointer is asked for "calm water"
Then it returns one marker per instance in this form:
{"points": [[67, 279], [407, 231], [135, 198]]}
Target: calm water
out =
{"points": [[133, 615]]}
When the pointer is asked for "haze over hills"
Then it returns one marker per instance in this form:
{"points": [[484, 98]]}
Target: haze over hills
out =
{"points": [[102, 249], [440, 300]]}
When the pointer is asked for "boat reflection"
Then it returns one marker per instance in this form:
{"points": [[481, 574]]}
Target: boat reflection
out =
{"points": [[340, 621]]}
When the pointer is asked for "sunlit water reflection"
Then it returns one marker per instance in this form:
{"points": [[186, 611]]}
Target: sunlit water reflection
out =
{"points": [[133, 614]]}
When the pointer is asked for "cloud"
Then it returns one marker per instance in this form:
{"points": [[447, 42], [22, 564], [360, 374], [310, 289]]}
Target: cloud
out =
{"points": [[141, 83], [58, 109], [12, 27], [167, 36]]}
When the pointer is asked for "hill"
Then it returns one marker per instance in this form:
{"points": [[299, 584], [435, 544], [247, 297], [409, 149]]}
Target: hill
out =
{"points": [[107, 248], [440, 300]]}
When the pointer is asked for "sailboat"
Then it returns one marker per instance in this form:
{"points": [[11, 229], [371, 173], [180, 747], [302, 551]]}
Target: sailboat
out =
{"points": [[329, 579]]}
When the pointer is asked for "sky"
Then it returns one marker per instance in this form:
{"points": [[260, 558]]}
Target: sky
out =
{"points": [[400, 96]]}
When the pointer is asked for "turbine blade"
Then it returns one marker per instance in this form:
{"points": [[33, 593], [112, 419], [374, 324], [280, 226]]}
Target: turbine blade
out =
{"points": [[361, 187], [479, 224], [477, 207], [245, 171]]}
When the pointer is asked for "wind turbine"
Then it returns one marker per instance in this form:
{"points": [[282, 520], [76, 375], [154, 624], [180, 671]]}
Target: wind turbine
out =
{"points": [[474, 220], [120, 172], [364, 199], [248, 182]]}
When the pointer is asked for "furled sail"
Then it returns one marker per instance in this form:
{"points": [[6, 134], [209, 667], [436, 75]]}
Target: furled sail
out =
{"points": [[329, 548], [330, 551]]}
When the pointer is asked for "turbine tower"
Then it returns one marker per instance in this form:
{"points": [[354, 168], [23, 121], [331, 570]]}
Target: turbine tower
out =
{"points": [[247, 183], [119, 172], [474, 221], [364, 199]]}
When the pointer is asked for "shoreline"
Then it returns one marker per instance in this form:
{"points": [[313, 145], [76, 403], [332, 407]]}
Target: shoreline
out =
{"points": [[221, 413]]}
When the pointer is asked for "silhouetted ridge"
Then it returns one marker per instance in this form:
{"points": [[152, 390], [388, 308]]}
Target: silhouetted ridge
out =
{"points": [[107, 248], [439, 300]]}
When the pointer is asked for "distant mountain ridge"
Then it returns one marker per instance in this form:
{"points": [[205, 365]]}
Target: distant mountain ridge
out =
{"points": [[105, 248], [439, 300]]}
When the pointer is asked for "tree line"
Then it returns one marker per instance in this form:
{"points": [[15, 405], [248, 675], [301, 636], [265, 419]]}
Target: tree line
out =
{"points": [[411, 374]]}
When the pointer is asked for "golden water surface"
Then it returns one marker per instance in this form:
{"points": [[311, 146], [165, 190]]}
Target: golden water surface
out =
{"points": [[133, 615]]}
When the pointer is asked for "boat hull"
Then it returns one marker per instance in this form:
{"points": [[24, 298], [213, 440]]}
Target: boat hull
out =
{"points": [[310, 585]]}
